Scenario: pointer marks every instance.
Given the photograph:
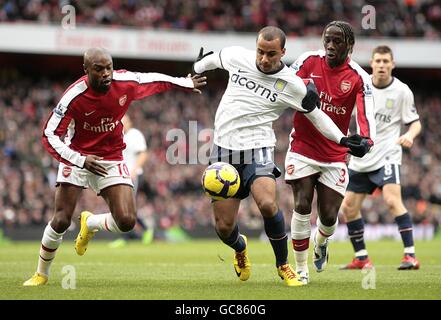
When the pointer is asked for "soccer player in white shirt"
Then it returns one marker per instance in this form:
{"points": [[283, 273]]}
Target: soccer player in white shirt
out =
{"points": [[380, 168], [135, 154], [260, 88]]}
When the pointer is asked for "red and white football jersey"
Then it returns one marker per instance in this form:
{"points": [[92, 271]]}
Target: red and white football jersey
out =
{"points": [[340, 89], [91, 121]]}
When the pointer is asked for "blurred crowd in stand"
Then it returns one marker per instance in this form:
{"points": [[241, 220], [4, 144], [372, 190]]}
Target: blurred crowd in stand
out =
{"points": [[395, 18], [170, 194]]}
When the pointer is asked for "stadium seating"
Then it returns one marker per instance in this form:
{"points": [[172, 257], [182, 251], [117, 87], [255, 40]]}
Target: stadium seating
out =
{"points": [[397, 18]]}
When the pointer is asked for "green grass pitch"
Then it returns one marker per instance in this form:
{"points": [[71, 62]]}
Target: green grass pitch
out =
{"points": [[203, 269]]}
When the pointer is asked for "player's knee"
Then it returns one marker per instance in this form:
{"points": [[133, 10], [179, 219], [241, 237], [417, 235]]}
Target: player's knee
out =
{"points": [[224, 228], [303, 206], [267, 207], [60, 223], [126, 222], [328, 219], [349, 210], [392, 202]]}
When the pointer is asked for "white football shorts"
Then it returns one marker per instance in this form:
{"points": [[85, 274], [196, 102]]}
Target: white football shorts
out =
{"points": [[332, 174], [117, 173]]}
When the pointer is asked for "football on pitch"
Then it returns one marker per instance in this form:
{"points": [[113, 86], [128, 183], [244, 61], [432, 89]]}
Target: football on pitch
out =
{"points": [[220, 181]]}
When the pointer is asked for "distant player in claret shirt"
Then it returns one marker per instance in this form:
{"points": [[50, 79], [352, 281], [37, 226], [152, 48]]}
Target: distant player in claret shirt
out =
{"points": [[394, 106], [316, 163], [260, 88], [89, 116]]}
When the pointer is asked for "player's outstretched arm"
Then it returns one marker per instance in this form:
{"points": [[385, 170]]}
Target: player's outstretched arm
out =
{"points": [[358, 146], [150, 83], [325, 125], [206, 61], [311, 103]]}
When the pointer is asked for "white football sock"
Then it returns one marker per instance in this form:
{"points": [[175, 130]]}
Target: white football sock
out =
{"points": [[324, 232], [49, 244], [361, 253], [300, 230], [409, 250], [300, 226], [103, 221], [301, 258]]}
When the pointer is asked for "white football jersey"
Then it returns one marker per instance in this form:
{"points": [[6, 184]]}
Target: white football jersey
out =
{"points": [[252, 101], [394, 105], [135, 143]]}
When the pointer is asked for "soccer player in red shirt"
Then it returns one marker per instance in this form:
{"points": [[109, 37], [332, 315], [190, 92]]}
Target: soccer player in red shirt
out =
{"points": [[89, 117], [315, 162]]}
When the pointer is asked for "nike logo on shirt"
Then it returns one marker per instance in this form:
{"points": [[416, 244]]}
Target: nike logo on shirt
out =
{"points": [[89, 113], [312, 75]]}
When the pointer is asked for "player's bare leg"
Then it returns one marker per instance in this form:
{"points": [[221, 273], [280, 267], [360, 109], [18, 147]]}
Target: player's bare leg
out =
{"points": [[392, 198], [225, 215], [66, 197], [303, 192], [351, 209], [328, 203], [122, 216], [263, 190], [121, 201]]}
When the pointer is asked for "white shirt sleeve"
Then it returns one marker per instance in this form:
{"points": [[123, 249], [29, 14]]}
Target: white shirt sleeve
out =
{"points": [[152, 78], [140, 144], [409, 111], [210, 62], [294, 92], [325, 125], [225, 59], [60, 150]]}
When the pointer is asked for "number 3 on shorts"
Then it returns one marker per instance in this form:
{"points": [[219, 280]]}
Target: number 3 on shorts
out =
{"points": [[343, 176]]}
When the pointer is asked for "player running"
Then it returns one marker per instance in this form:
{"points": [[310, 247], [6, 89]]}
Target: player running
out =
{"points": [[316, 163], [89, 116], [381, 168], [260, 88]]}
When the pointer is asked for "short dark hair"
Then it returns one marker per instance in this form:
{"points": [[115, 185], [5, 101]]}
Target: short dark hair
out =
{"points": [[347, 30], [383, 50], [271, 33]]}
